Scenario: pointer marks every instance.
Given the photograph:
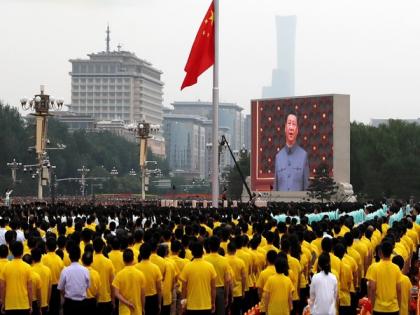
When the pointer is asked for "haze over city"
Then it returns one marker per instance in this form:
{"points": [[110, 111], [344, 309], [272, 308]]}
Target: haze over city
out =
{"points": [[366, 49]]}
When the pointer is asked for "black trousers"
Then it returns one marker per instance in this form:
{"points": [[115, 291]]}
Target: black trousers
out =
{"points": [[35, 308], [17, 312], [253, 297], [72, 307], [345, 310], [54, 301], [236, 307], [246, 302], [204, 312], [354, 302], [90, 306], [151, 305], [386, 313], [304, 295], [44, 310], [165, 310], [104, 308], [295, 310]]}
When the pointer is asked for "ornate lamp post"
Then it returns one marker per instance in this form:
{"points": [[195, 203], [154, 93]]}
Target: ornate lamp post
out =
{"points": [[83, 172], [41, 104], [114, 171], [144, 131], [14, 166]]}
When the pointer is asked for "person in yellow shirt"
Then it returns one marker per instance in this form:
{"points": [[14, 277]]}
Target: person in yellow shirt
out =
{"points": [[56, 265], [115, 255], [348, 240], [297, 252], [199, 283], [346, 280], [247, 259], [405, 286], [168, 284], [61, 244], [296, 268], [4, 252], [46, 279], [270, 239], [269, 271], [16, 283], [129, 287], [176, 247], [106, 271], [153, 278], [238, 276], [384, 280], [92, 292], [222, 268], [278, 290], [36, 285]]}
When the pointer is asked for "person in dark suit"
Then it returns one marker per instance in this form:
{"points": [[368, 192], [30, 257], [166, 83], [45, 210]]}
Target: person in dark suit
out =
{"points": [[291, 164]]}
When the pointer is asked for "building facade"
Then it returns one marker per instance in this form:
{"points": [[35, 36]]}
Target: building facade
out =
{"points": [[283, 77], [116, 85], [185, 121], [231, 119], [185, 144]]}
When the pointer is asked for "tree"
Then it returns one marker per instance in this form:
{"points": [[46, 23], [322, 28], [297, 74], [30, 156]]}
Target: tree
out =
{"points": [[322, 186]]}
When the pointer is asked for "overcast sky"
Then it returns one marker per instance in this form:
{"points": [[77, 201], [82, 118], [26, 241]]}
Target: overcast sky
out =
{"points": [[368, 49]]}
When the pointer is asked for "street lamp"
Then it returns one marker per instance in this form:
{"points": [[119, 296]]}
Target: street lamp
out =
{"points": [[132, 172], [114, 171], [14, 166], [144, 131], [83, 171], [41, 104]]}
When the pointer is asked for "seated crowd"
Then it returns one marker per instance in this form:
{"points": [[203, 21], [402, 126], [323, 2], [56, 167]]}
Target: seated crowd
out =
{"points": [[144, 259]]}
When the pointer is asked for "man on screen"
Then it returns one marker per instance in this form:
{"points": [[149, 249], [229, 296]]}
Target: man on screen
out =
{"points": [[291, 166]]}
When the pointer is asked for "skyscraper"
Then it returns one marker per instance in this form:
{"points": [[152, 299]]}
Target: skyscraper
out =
{"points": [[116, 85], [283, 77]]}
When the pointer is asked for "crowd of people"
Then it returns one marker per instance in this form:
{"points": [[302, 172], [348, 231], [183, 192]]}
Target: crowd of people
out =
{"points": [[146, 259]]}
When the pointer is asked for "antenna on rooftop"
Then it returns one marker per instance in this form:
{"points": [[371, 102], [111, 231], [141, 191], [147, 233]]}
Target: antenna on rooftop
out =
{"points": [[108, 39]]}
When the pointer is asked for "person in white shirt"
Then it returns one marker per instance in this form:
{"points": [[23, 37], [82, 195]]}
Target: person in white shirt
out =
{"points": [[7, 197], [323, 290], [73, 283], [3, 231]]}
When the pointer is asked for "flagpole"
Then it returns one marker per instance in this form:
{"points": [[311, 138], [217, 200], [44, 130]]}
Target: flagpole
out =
{"points": [[215, 170]]}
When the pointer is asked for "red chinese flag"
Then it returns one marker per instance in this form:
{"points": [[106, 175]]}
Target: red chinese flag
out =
{"points": [[202, 52]]}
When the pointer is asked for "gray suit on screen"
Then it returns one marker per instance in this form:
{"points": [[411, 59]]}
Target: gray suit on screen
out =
{"points": [[291, 169]]}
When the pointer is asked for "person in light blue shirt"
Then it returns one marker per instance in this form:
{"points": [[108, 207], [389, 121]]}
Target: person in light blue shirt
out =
{"points": [[291, 163]]}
